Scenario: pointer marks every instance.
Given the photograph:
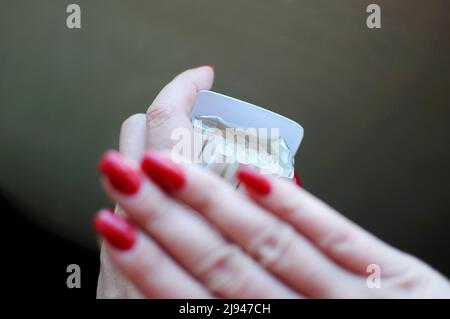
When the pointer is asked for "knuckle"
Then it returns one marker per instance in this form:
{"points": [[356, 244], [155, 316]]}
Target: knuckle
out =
{"points": [[412, 277], [224, 271], [148, 261], [207, 200], [149, 206], [158, 114], [271, 245], [288, 208], [338, 242], [410, 283]]}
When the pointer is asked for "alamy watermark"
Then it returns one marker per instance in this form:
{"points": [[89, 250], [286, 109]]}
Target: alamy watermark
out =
{"points": [[373, 21], [258, 146], [74, 278], [73, 20]]}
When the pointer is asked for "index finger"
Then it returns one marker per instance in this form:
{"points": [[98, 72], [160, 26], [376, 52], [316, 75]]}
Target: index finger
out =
{"points": [[170, 108]]}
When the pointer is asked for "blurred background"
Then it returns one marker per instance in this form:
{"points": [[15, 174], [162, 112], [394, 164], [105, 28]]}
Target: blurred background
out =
{"points": [[374, 105]]}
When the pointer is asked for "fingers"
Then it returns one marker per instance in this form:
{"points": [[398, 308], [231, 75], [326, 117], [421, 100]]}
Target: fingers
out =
{"points": [[140, 259], [287, 254], [339, 238], [111, 282], [170, 108], [133, 137], [188, 238], [132, 141]]}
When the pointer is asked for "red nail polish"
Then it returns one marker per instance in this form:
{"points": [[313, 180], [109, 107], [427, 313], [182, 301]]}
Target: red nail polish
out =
{"points": [[120, 174], [208, 65], [162, 171], [254, 180], [118, 232], [297, 179]]}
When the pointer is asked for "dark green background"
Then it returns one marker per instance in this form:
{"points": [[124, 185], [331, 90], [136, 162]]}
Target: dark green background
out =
{"points": [[374, 103]]}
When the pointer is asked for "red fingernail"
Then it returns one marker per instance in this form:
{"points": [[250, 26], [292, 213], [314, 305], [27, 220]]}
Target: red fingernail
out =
{"points": [[162, 171], [118, 232], [208, 65], [254, 180], [120, 174], [297, 179]]}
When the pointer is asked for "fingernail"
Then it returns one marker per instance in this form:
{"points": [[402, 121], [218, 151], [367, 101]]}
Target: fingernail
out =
{"points": [[120, 174], [254, 180], [208, 65], [297, 179], [162, 171], [116, 231]]}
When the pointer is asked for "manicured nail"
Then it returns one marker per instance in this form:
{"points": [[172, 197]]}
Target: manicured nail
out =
{"points": [[254, 180], [208, 65], [297, 179], [163, 171], [118, 232], [120, 174]]}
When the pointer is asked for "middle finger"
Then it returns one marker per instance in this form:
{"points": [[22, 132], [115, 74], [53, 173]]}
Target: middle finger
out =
{"points": [[222, 267], [274, 243]]}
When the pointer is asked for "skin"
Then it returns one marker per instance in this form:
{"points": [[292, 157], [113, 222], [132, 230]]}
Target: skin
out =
{"points": [[194, 243]]}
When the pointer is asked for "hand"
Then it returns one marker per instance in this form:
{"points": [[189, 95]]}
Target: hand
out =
{"points": [[152, 130], [190, 235]]}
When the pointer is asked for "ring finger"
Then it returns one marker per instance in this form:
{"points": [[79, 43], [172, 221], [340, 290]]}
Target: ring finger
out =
{"points": [[188, 237]]}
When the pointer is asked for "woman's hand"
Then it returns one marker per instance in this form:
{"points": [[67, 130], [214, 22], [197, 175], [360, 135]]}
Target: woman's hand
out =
{"points": [[191, 235], [152, 130]]}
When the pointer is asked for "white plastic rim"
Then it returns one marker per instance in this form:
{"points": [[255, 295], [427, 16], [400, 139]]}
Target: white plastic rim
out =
{"points": [[246, 115]]}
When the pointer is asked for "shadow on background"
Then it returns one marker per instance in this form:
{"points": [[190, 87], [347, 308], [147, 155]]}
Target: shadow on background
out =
{"points": [[37, 260]]}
